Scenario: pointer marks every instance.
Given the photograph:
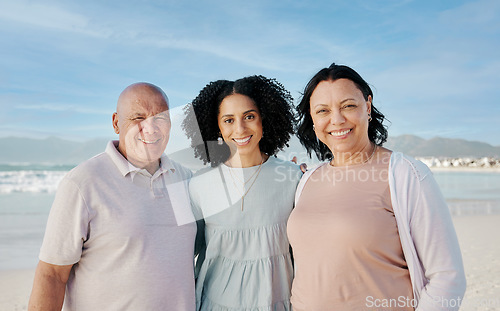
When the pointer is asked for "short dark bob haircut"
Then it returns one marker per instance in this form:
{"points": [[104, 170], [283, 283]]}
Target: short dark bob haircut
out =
{"points": [[273, 101], [377, 132]]}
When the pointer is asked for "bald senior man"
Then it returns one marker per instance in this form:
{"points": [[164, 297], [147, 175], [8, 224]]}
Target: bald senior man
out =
{"points": [[120, 234]]}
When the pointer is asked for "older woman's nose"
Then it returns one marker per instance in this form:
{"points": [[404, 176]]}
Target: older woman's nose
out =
{"points": [[337, 117]]}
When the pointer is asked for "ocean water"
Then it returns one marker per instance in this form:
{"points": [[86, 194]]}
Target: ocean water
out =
{"points": [[27, 192], [23, 216], [33, 178], [470, 193]]}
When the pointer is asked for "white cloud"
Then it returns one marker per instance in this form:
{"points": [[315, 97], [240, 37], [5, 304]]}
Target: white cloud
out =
{"points": [[48, 16], [57, 52]]}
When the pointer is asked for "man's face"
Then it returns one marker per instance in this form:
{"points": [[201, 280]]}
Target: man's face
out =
{"points": [[143, 124]]}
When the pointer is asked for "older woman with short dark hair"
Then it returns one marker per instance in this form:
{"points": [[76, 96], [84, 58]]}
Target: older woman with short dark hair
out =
{"points": [[370, 229]]}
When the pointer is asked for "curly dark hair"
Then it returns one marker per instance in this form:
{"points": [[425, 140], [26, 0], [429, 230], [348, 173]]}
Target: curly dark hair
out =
{"points": [[377, 131], [273, 101]]}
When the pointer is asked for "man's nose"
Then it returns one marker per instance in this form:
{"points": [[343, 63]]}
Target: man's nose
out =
{"points": [[149, 125]]}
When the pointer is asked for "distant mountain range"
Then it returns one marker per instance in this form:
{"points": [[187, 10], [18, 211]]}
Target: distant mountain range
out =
{"points": [[60, 151], [49, 150], [441, 147]]}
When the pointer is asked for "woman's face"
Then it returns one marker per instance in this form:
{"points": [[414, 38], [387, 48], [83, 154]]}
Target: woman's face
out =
{"points": [[340, 115], [240, 124]]}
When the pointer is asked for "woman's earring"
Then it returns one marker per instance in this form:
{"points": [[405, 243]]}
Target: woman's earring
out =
{"points": [[219, 141], [370, 117], [314, 129]]}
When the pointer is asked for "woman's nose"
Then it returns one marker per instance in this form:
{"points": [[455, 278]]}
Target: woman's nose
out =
{"points": [[240, 126], [337, 117]]}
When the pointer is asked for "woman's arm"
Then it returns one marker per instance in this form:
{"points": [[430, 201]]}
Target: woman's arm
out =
{"points": [[427, 235], [437, 247]]}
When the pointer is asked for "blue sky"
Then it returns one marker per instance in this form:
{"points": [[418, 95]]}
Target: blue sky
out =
{"points": [[434, 65]]}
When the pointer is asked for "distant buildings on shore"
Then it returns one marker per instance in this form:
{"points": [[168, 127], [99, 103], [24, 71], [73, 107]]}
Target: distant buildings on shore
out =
{"points": [[470, 162]]}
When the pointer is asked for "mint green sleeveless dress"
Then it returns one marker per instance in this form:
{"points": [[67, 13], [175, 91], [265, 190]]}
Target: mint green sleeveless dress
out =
{"points": [[247, 264]]}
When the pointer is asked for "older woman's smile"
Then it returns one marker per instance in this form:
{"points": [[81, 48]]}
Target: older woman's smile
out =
{"points": [[340, 133]]}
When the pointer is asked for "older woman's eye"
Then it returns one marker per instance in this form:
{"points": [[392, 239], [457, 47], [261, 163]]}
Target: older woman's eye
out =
{"points": [[349, 106]]}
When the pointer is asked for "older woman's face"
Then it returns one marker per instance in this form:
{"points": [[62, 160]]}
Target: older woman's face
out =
{"points": [[340, 115]]}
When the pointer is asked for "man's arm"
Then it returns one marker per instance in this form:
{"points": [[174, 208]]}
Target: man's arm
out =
{"points": [[49, 287]]}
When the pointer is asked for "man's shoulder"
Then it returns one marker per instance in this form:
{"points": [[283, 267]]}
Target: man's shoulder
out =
{"points": [[204, 177], [184, 172], [92, 167], [205, 172]]}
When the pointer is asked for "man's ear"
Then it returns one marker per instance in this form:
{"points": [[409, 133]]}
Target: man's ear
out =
{"points": [[115, 123]]}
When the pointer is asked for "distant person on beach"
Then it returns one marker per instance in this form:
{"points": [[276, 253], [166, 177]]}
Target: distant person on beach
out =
{"points": [[244, 199], [120, 234], [370, 229]]}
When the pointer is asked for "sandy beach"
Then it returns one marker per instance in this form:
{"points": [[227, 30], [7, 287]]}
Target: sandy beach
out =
{"points": [[15, 288], [478, 236]]}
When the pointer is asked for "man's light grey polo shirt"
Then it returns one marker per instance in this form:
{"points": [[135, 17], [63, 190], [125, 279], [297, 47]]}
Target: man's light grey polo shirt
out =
{"points": [[130, 235]]}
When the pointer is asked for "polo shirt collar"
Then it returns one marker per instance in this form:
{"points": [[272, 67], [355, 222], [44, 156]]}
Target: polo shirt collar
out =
{"points": [[125, 167]]}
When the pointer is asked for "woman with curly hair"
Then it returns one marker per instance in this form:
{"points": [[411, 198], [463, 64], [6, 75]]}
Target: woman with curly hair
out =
{"points": [[244, 199], [370, 229]]}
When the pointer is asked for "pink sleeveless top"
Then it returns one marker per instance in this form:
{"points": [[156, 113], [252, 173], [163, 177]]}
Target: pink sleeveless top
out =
{"points": [[345, 242]]}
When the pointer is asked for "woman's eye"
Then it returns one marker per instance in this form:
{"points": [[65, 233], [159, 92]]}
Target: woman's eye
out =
{"points": [[250, 117], [320, 111], [228, 121], [349, 106]]}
